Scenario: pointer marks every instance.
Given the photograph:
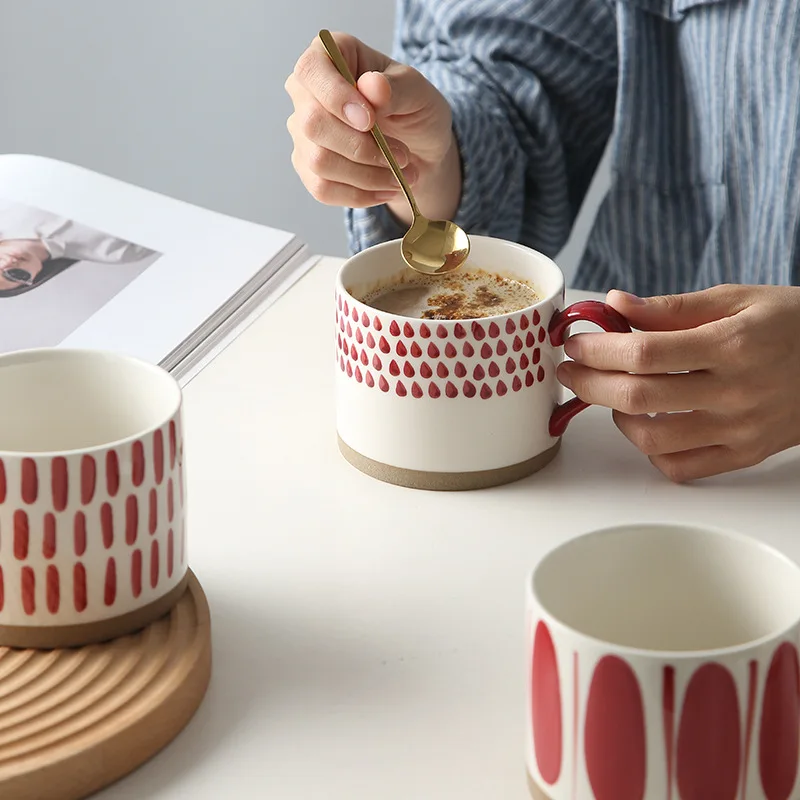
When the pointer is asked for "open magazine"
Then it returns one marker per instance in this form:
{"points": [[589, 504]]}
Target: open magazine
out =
{"points": [[89, 261]]}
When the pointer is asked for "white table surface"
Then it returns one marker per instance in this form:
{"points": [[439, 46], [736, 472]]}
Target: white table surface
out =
{"points": [[368, 639]]}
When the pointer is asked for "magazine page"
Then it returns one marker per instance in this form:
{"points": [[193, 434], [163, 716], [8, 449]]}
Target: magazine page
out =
{"points": [[90, 261]]}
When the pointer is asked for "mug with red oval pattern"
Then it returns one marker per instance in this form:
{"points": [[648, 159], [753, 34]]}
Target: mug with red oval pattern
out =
{"points": [[92, 539], [663, 665], [454, 404]]}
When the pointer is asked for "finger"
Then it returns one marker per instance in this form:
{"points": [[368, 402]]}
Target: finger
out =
{"points": [[704, 462], [641, 394], [646, 353], [335, 193], [398, 89], [679, 311], [312, 122], [673, 433], [334, 167], [316, 72]]}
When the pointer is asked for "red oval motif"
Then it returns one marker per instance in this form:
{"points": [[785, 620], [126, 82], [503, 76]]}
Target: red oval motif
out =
{"points": [[709, 747], [546, 711], [615, 746]]}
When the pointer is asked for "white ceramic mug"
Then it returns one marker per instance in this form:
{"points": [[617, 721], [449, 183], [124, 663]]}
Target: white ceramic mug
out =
{"points": [[454, 404], [663, 665], [92, 537]]}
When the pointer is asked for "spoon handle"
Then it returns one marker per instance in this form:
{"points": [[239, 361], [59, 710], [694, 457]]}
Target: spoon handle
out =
{"points": [[339, 62]]}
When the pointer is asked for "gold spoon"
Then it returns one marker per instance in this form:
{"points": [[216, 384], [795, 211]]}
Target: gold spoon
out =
{"points": [[430, 246]]}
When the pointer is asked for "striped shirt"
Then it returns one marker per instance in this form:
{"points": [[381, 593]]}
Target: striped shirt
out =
{"points": [[698, 101]]}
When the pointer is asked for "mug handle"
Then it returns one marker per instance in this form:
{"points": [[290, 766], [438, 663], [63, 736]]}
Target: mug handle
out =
{"points": [[609, 319]]}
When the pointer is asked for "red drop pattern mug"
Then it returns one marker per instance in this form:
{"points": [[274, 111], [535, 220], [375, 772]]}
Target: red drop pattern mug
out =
{"points": [[663, 665]]}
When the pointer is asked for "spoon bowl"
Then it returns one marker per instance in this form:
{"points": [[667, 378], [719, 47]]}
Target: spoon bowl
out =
{"points": [[431, 246]]}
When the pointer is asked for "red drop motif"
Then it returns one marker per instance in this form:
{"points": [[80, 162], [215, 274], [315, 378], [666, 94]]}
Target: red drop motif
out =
{"points": [[779, 743], [523, 361], [394, 328], [354, 314], [540, 374], [441, 370], [502, 348], [536, 317], [353, 352], [478, 373], [424, 331], [469, 389], [450, 350], [394, 368], [477, 331], [349, 330], [450, 390], [416, 351], [709, 748], [433, 350], [542, 335], [408, 370], [494, 370], [383, 384], [400, 389], [511, 365], [486, 350], [546, 710], [346, 308], [530, 339], [359, 336], [358, 375], [401, 350], [502, 389], [416, 391], [510, 326], [364, 319], [384, 345], [468, 350], [408, 331], [516, 384], [377, 324], [615, 747], [486, 391], [425, 371], [59, 483], [364, 358], [460, 370], [341, 363], [516, 345], [434, 391], [376, 362], [349, 370], [441, 331], [529, 378], [458, 331], [370, 340], [537, 354], [369, 380], [494, 330]]}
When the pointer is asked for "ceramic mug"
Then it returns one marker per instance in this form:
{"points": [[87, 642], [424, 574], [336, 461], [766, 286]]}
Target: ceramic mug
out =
{"points": [[663, 665], [454, 404], [92, 537]]}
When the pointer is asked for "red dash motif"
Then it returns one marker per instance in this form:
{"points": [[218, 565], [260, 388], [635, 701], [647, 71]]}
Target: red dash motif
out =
{"points": [[138, 463], [170, 500], [158, 455], [152, 522], [79, 587], [107, 524], [59, 483], [136, 572], [2, 481], [172, 444], [21, 535], [79, 533], [53, 590], [170, 553], [49, 540], [131, 519], [154, 564], [28, 590], [30, 481], [110, 589], [88, 479], [546, 709], [2, 590]]}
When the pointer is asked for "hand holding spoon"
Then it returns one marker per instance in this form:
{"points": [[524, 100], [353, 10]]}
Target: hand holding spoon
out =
{"points": [[433, 247]]}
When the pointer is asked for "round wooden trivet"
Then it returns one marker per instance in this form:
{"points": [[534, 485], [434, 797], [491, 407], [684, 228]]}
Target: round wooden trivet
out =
{"points": [[74, 721]]}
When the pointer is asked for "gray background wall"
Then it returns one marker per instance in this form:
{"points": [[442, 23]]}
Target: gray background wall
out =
{"points": [[183, 97]]}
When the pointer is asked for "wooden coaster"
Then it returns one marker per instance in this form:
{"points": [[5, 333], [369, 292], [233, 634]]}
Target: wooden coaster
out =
{"points": [[74, 721]]}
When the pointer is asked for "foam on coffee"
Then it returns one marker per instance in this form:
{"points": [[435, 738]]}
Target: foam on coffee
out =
{"points": [[471, 294]]}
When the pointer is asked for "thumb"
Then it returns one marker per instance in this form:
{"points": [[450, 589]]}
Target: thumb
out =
{"points": [[399, 89], [673, 312]]}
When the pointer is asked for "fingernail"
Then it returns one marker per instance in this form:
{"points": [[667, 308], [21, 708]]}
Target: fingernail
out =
{"points": [[573, 346], [400, 156], [357, 116], [629, 298]]}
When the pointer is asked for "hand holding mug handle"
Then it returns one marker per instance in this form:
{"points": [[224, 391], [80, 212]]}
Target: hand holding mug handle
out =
{"points": [[606, 317]]}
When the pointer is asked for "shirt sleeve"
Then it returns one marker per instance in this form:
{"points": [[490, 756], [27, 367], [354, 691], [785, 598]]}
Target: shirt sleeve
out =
{"points": [[532, 87]]}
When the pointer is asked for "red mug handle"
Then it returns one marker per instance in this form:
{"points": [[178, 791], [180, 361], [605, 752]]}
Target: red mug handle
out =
{"points": [[609, 319]]}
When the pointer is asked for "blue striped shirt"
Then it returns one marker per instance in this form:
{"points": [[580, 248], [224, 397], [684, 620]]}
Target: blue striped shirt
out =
{"points": [[698, 101]]}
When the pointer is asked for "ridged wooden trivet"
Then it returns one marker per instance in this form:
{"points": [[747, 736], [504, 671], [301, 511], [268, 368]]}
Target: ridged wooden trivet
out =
{"points": [[74, 721]]}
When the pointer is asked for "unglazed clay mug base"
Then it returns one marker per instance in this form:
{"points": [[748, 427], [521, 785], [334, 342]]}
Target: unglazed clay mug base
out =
{"points": [[663, 663], [91, 497], [447, 404]]}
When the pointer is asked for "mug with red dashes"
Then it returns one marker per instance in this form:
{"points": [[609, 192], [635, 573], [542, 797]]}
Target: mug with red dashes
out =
{"points": [[92, 538], [662, 664], [454, 404]]}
